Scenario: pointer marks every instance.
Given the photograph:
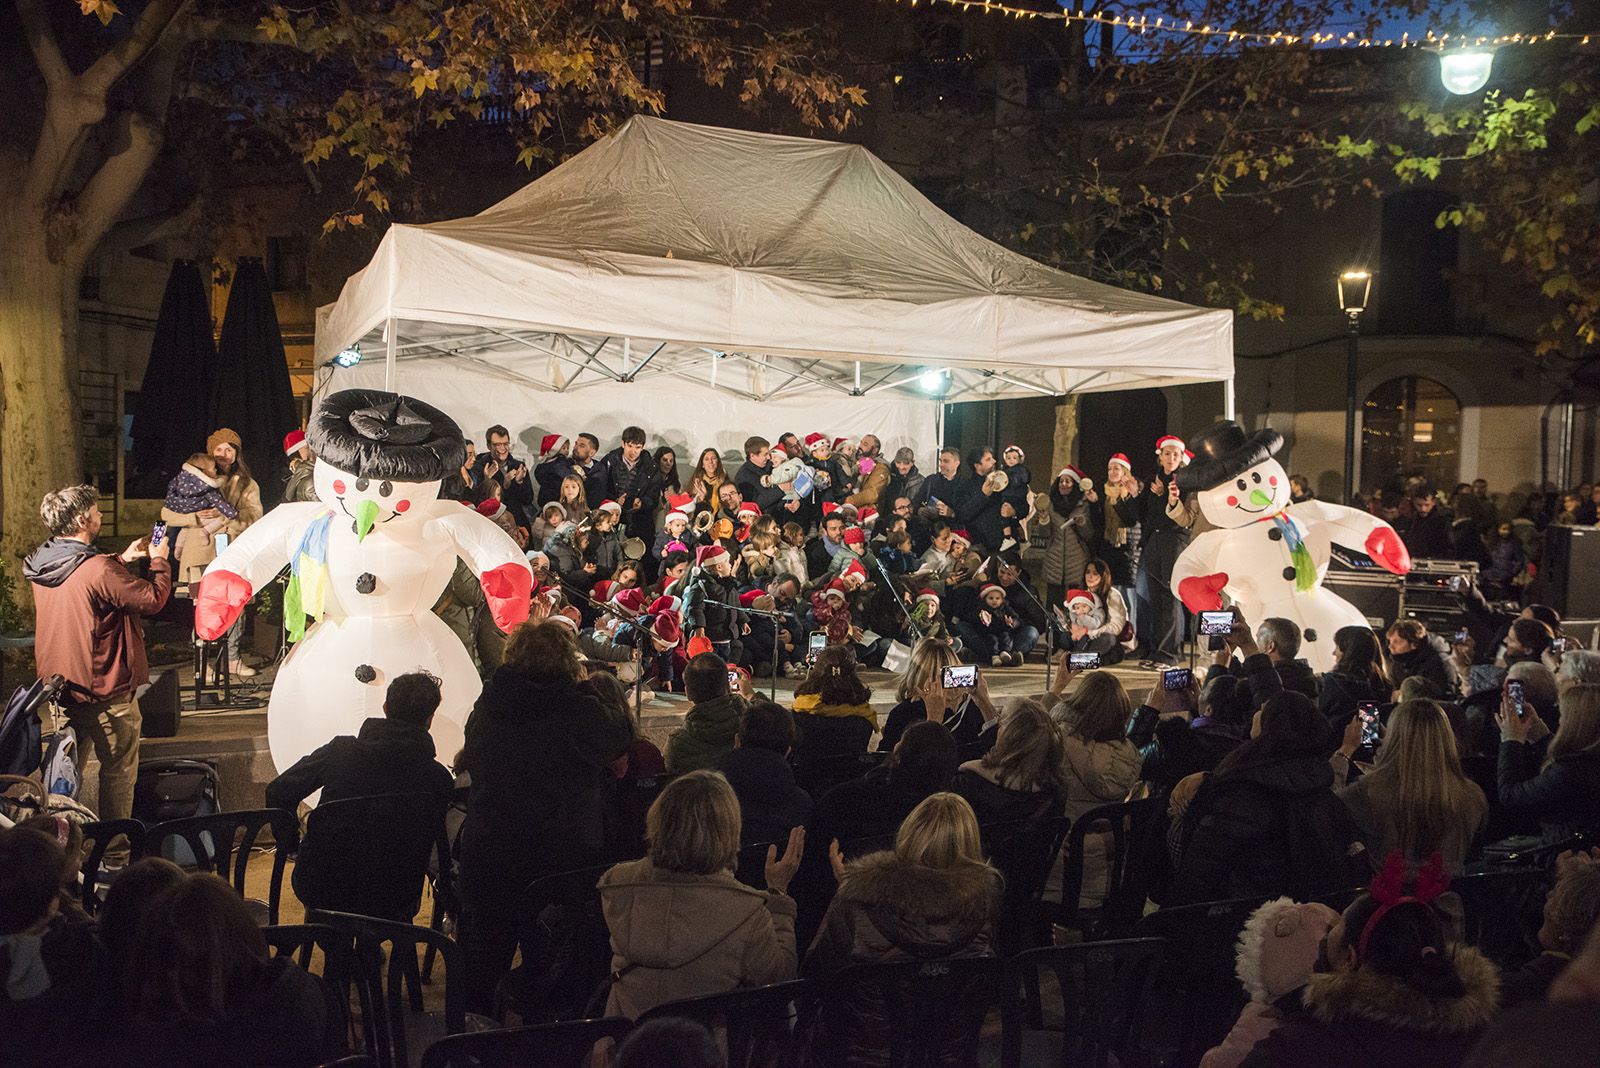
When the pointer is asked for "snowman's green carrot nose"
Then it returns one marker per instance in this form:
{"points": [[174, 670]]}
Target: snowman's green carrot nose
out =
{"points": [[1259, 499], [367, 514]]}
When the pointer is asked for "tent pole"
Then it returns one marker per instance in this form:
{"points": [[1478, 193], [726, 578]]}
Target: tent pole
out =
{"points": [[390, 340], [1227, 399]]}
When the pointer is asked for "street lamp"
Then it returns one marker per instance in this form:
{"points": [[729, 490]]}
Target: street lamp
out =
{"points": [[1355, 286], [1465, 70]]}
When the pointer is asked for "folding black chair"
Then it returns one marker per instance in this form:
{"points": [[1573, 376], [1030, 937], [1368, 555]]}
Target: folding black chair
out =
{"points": [[817, 775], [222, 843], [626, 808], [553, 1045], [566, 948], [98, 837], [1104, 988], [1503, 911], [1023, 851], [751, 867], [932, 1012], [371, 855], [758, 1023], [350, 966], [1202, 987], [1127, 823]]}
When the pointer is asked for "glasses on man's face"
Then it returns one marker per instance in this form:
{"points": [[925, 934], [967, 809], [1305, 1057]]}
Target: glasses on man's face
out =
{"points": [[902, 508]]}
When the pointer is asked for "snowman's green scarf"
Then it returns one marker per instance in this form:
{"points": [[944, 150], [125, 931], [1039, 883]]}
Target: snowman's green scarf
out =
{"points": [[1305, 571], [308, 578]]}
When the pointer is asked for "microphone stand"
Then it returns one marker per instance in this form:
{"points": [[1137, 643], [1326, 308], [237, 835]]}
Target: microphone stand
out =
{"points": [[777, 646], [1050, 625]]}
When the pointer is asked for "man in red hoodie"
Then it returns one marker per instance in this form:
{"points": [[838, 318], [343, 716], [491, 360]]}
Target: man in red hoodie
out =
{"points": [[88, 608]]}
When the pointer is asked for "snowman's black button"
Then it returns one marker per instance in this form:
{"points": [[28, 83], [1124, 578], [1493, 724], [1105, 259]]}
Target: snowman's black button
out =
{"points": [[1310, 635], [1274, 533], [365, 673], [1288, 572], [366, 582]]}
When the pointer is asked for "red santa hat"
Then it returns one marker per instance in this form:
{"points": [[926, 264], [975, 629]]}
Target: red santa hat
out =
{"points": [[868, 515], [666, 628], [1076, 474], [926, 595], [779, 454], [676, 515], [1168, 439], [1076, 596], [699, 645], [1188, 454], [551, 444], [568, 616], [961, 536], [828, 508], [490, 507], [835, 589], [815, 441], [749, 508], [611, 506], [1016, 449], [990, 587], [853, 570], [631, 600], [855, 536], [839, 443], [665, 603], [602, 590], [292, 442], [708, 553], [1121, 460]]}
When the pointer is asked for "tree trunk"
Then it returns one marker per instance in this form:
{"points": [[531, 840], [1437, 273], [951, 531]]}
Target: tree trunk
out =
{"points": [[39, 449]]}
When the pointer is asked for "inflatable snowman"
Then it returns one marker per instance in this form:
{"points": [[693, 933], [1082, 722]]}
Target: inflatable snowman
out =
{"points": [[1268, 554], [368, 560]]}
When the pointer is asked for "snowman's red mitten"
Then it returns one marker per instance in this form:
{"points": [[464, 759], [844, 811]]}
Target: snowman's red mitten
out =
{"points": [[1388, 551], [507, 589], [1203, 593], [222, 597]]}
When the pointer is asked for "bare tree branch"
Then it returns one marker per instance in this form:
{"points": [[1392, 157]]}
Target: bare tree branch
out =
{"points": [[133, 233], [110, 68], [137, 141], [42, 41]]}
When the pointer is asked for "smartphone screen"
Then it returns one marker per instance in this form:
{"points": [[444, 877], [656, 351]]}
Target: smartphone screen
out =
{"points": [[1216, 622], [1083, 661], [815, 644], [1175, 679], [1558, 646], [158, 532], [960, 676], [1514, 691], [1461, 636], [221, 543], [1368, 714], [733, 678]]}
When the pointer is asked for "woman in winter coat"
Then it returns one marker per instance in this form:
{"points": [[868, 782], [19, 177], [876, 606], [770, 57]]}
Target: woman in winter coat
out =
{"points": [[832, 713], [968, 714], [1391, 993], [1099, 764], [681, 925], [1278, 949], [1360, 676], [1562, 791], [1021, 777], [1266, 822], [931, 897], [539, 752], [1417, 799], [1413, 651], [1070, 532]]}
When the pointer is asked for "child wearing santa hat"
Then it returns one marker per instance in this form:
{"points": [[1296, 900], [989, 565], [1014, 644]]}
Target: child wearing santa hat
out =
{"points": [[1014, 463], [830, 612], [676, 526], [991, 626], [552, 466], [928, 621], [710, 602]]}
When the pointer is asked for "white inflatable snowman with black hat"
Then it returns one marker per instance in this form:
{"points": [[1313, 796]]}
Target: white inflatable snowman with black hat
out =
{"points": [[1267, 553], [368, 559]]}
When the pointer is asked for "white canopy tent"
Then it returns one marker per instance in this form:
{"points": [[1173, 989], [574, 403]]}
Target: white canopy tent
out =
{"points": [[739, 283]]}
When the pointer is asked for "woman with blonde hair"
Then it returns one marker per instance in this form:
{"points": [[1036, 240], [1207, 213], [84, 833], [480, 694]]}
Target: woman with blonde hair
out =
{"points": [[1099, 765], [1563, 790], [1021, 777], [1417, 799], [966, 711], [681, 925]]}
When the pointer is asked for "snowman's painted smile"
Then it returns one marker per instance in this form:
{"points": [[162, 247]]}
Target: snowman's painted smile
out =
{"points": [[346, 511]]}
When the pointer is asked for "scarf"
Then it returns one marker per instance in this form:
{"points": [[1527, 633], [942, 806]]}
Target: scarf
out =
{"points": [[1063, 504], [1305, 572], [1116, 535], [27, 977], [308, 578]]}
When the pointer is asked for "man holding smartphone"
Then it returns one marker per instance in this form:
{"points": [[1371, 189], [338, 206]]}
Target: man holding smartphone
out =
{"points": [[89, 632]]}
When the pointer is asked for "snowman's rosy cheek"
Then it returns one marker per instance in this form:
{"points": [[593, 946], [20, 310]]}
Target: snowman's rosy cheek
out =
{"points": [[402, 506], [338, 485], [1273, 481], [1233, 502]]}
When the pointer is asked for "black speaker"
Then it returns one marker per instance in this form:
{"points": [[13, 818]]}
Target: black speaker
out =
{"points": [[1569, 573], [158, 706]]}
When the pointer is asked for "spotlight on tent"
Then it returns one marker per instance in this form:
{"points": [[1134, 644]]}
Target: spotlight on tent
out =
{"points": [[347, 357], [934, 381], [1466, 70]]}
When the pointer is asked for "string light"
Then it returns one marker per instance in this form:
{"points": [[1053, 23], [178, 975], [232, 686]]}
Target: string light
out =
{"points": [[1141, 25]]}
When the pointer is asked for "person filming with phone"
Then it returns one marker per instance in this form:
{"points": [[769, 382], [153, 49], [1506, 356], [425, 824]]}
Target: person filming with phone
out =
{"points": [[89, 632], [937, 687], [1553, 778]]}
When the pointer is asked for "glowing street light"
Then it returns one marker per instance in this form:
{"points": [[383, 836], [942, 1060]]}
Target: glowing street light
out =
{"points": [[1465, 70]]}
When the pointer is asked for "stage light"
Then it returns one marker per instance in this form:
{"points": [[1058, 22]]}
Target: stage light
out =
{"points": [[934, 381], [1466, 70], [347, 357]]}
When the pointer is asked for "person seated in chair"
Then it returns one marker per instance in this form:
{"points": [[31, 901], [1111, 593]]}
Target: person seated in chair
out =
{"points": [[392, 755]]}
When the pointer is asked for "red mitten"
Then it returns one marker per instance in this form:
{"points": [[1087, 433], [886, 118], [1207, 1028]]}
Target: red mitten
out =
{"points": [[1203, 593], [1388, 551], [507, 589], [222, 597]]}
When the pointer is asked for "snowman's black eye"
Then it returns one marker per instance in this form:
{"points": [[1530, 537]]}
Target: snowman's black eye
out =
{"points": [[362, 484], [385, 488], [1241, 484], [1256, 478]]}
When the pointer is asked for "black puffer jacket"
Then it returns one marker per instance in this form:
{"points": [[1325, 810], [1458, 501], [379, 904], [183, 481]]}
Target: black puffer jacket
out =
{"points": [[1431, 660], [1338, 695], [885, 911], [1268, 829], [770, 804], [1564, 798]]}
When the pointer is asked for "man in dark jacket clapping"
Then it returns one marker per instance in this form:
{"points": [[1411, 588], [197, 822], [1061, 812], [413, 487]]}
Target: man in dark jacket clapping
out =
{"points": [[633, 480]]}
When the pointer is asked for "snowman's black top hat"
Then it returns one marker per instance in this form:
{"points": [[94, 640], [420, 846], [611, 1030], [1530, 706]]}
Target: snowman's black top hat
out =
{"points": [[1223, 451], [375, 434]]}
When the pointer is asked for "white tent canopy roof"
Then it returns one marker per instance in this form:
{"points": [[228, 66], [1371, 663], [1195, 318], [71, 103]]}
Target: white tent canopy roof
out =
{"points": [[759, 265]]}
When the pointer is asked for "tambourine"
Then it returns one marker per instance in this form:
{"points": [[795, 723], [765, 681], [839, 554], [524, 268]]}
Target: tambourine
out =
{"points": [[703, 521], [633, 549]]}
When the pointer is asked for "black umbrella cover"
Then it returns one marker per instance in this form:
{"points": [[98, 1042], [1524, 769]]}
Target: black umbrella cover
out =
{"points": [[251, 391], [171, 418]]}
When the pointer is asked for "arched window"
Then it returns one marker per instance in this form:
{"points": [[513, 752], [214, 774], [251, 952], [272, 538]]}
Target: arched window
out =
{"points": [[1411, 426]]}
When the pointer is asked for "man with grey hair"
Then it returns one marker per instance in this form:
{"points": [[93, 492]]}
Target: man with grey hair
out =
{"points": [[88, 607], [1578, 667], [1269, 665]]}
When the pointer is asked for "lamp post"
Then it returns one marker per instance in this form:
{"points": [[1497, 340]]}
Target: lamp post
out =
{"points": [[1355, 286]]}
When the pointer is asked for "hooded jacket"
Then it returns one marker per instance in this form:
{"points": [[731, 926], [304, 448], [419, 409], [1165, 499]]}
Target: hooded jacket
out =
{"points": [[1432, 661], [88, 626], [887, 910], [1355, 1018], [192, 547], [675, 935], [707, 733], [770, 803], [1097, 773], [387, 757]]}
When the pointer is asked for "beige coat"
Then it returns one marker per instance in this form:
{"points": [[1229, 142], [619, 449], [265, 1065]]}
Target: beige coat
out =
{"points": [[1097, 773], [194, 548], [676, 936]]}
